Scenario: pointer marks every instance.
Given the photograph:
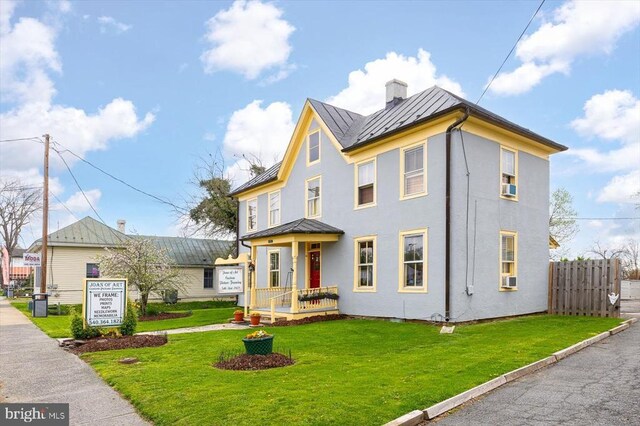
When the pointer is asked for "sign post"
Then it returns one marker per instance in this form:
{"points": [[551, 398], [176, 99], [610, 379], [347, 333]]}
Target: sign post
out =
{"points": [[240, 262], [105, 302]]}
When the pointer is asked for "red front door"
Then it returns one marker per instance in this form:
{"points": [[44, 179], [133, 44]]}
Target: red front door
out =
{"points": [[314, 269]]}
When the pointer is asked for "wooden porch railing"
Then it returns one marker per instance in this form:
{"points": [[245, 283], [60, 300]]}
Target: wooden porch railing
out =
{"points": [[325, 303], [264, 296]]}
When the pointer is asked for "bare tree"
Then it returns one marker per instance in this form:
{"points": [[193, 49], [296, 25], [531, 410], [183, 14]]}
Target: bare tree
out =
{"points": [[604, 252], [631, 260], [146, 267], [18, 203], [562, 223]]}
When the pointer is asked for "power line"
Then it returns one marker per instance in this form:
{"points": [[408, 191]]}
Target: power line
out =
{"points": [[178, 208], [85, 195], [34, 139], [510, 52]]}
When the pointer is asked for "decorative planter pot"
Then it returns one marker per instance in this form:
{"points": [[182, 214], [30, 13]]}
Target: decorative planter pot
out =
{"points": [[239, 316], [255, 319], [262, 346]]}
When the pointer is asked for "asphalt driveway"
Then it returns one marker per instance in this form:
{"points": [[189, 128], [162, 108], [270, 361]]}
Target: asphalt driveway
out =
{"points": [[599, 385]]}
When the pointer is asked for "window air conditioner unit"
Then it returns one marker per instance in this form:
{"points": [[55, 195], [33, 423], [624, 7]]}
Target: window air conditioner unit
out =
{"points": [[509, 189], [509, 282]]}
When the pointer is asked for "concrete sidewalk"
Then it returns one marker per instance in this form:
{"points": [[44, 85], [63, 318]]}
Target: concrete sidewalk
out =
{"points": [[63, 377], [596, 386]]}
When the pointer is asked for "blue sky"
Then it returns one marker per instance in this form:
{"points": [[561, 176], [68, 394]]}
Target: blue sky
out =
{"points": [[147, 89]]}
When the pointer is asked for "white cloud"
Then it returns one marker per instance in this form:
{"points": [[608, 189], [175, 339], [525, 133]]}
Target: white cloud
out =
{"points": [[28, 54], [366, 91], [577, 28], [248, 38], [78, 204], [622, 189], [257, 132], [108, 23], [613, 116]]}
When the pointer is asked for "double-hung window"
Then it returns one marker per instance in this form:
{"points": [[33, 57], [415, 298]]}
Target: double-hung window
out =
{"points": [[366, 183], [414, 177], [274, 208], [508, 170], [365, 264], [413, 255], [313, 197], [252, 215], [93, 270], [208, 278], [274, 268], [313, 147], [508, 259]]}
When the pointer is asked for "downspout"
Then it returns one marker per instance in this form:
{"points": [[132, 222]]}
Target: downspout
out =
{"points": [[447, 266]]}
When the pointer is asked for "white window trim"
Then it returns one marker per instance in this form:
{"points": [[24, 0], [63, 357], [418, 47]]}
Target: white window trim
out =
{"points": [[425, 261], [357, 165], [269, 270], [247, 215], [425, 192], [356, 264], [306, 197], [271, 224], [515, 259], [309, 162], [515, 177]]}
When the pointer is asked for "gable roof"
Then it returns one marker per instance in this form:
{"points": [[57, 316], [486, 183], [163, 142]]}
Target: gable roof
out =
{"points": [[85, 232], [353, 130], [88, 232], [300, 226]]}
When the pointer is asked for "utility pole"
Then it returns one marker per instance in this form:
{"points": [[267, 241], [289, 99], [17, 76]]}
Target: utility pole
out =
{"points": [[45, 217]]}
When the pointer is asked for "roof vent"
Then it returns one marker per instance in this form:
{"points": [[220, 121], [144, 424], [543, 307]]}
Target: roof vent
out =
{"points": [[396, 92], [121, 225]]}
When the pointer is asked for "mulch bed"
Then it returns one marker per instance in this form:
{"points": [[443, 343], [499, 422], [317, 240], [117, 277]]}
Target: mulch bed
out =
{"points": [[125, 342], [309, 320], [255, 362], [164, 316]]}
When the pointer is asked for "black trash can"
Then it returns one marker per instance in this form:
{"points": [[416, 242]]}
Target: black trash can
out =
{"points": [[40, 308]]}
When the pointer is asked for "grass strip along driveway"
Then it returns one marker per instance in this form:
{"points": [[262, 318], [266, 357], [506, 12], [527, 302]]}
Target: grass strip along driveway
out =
{"points": [[59, 325], [348, 372]]}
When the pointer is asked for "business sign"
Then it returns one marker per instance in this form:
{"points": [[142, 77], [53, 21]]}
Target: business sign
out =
{"points": [[31, 259], [230, 279], [104, 302]]}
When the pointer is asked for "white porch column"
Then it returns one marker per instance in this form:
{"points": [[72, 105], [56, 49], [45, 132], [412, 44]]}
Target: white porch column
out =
{"points": [[254, 260], [294, 277]]}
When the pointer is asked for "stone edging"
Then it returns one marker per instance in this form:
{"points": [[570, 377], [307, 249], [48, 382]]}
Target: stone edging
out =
{"points": [[417, 416]]}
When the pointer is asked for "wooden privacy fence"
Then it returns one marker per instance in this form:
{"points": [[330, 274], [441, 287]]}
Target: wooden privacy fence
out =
{"points": [[582, 287]]}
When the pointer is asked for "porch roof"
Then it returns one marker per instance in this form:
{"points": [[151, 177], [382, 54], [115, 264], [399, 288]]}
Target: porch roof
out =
{"points": [[300, 226]]}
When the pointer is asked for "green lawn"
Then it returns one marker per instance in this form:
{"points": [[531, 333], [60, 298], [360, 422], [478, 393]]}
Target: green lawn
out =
{"points": [[59, 325], [349, 372]]}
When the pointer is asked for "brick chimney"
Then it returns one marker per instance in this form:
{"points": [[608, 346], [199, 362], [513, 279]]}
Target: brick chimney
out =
{"points": [[121, 225], [396, 92]]}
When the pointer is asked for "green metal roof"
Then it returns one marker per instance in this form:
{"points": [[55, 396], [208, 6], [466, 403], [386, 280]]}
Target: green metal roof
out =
{"points": [[88, 232]]}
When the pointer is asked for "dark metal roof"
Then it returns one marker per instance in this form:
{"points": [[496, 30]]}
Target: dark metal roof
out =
{"points": [[18, 252], [191, 251], [353, 130], [300, 226], [269, 175]]}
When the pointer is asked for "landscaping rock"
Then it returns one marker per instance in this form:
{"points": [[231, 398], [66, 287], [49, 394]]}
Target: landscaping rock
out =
{"points": [[128, 361]]}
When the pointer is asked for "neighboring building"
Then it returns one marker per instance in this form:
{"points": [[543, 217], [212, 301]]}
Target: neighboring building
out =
{"points": [[431, 208], [17, 273], [72, 257]]}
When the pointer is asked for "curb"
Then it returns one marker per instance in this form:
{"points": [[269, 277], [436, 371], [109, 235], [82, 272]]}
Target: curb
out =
{"points": [[417, 416]]}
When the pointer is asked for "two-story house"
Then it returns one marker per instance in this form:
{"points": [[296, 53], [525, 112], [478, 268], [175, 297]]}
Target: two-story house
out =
{"points": [[431, 208]]}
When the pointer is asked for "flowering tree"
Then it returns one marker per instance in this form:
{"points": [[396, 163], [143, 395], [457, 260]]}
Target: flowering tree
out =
{"points": [[146, 267]]}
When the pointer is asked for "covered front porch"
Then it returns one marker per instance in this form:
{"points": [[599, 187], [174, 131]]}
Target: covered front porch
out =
{"points": [[302, 293]]}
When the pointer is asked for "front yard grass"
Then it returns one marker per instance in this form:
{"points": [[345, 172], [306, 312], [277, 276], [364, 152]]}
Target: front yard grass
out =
{"points": [[348, 372], [59, 325]]}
